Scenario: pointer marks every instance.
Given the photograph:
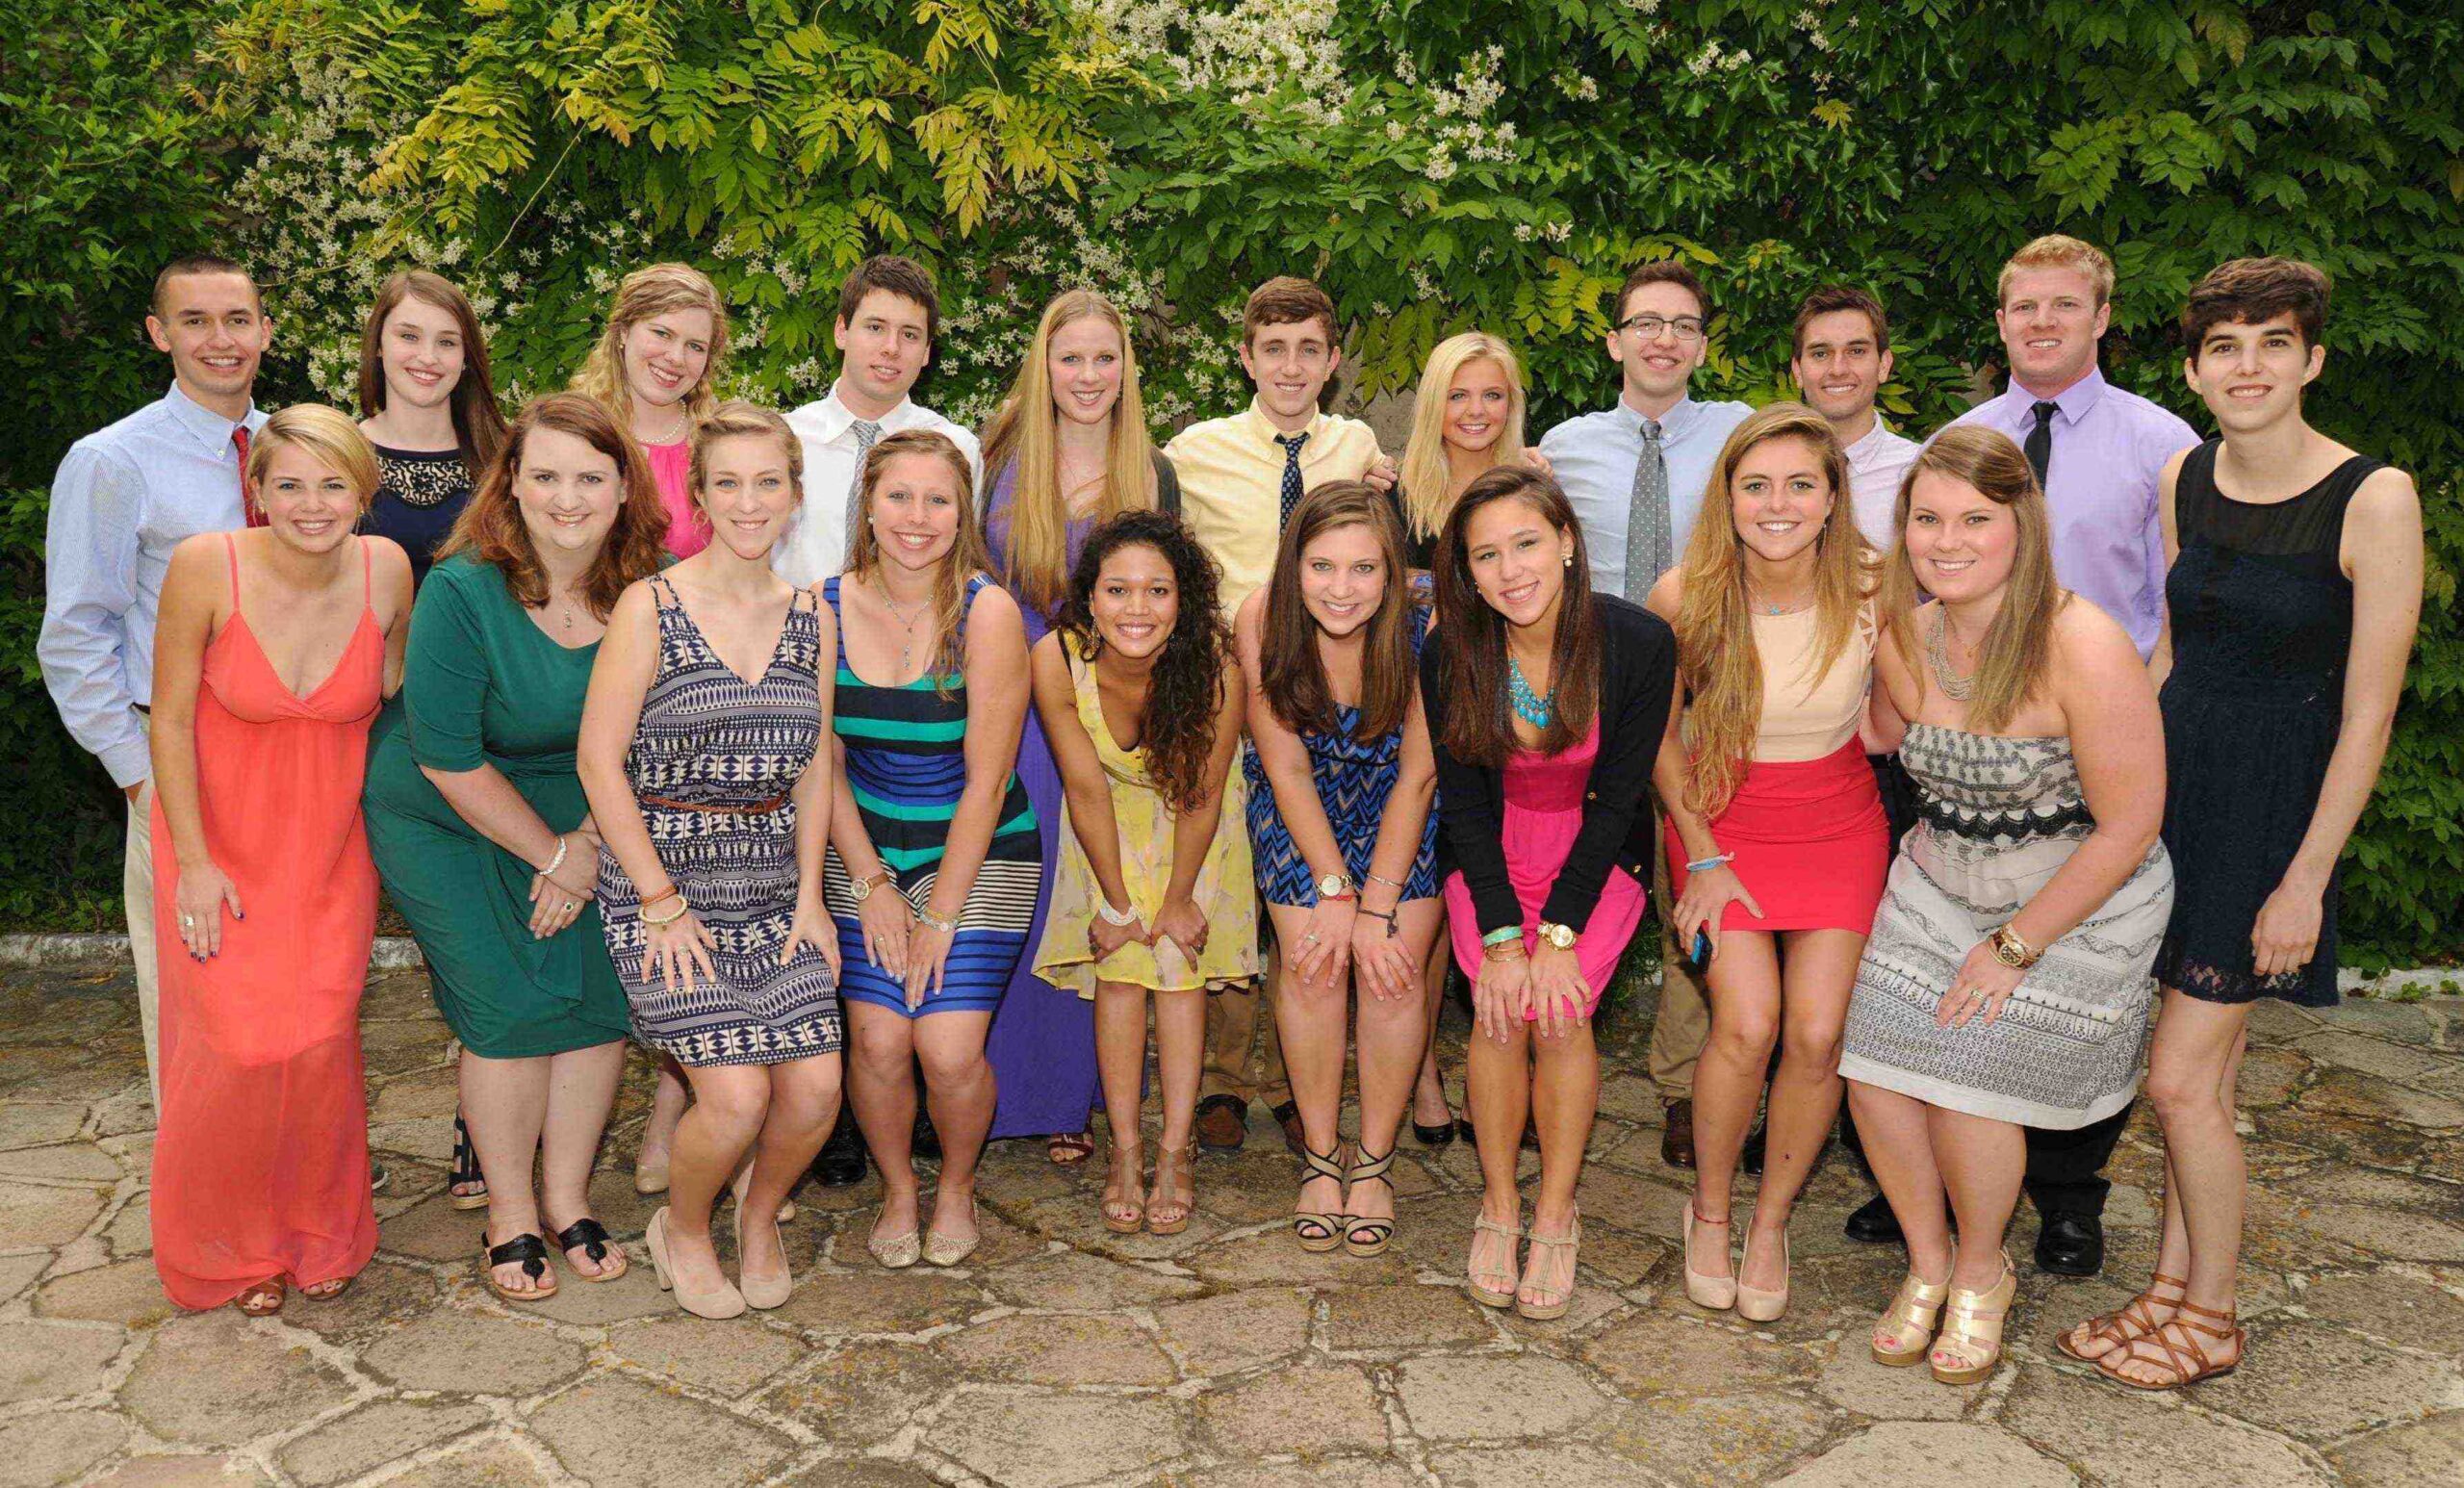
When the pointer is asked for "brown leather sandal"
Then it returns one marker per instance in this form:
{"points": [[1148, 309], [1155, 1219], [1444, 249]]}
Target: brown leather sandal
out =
{"points": [[2133, 1320], [2186, 1360]]}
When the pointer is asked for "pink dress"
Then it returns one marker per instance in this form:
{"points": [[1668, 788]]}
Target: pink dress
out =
{"points": [[1543, 798], [671, 467]]}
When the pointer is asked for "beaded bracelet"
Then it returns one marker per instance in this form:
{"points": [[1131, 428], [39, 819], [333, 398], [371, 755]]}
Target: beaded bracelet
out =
{"points": [[553, 863], [947, 927]]}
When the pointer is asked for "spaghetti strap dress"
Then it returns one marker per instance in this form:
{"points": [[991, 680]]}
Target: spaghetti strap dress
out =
{"points": [[905, 750], [2262, 619], [1354, 780], [713, 763], [261, 1159], [1144, 824]]}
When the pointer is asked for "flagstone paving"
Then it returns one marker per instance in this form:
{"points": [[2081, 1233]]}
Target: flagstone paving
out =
{"points": [[1062, 1354]]}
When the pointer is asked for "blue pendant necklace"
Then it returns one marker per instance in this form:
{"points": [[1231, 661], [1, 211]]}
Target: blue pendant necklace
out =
{"points": [[1528, 706]]}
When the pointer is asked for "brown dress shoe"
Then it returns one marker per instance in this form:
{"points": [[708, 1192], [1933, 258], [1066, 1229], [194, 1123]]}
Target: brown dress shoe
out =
{"points": [[1223, 1123], [1288, 1115], [1676, 1142]]}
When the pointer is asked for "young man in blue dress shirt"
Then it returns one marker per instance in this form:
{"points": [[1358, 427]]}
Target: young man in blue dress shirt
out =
{"points": [[1636, 473]]}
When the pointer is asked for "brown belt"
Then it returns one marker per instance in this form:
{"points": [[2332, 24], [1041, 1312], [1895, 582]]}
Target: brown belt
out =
{"points": [[751, 808]]}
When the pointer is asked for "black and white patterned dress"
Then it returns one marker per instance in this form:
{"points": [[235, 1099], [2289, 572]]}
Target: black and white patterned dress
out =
{"points": [[730, 750], [1998, 817]]}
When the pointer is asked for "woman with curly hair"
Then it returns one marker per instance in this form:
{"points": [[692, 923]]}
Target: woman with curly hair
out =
{"points": [[1141, 698], [481, 833], [654, 368]]}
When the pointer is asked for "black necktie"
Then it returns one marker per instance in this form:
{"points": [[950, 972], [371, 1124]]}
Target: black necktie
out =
{"points": [[1292, 444], [2039, 445]]}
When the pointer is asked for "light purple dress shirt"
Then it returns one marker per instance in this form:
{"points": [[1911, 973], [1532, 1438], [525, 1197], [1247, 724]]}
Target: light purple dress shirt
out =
{"points": [[2109, 449]]}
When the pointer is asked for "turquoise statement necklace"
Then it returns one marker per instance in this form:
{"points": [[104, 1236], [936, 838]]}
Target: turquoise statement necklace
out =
{"points": [[1528, 706]]}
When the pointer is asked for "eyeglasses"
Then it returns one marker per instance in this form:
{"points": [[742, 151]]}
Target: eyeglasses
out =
{"points": [[1684, 328]]}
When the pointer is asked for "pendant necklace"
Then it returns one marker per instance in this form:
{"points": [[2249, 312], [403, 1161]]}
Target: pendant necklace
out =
{"points": [[907, 647], [1528, 706]]}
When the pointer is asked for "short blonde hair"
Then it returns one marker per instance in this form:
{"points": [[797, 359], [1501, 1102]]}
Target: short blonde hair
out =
{"points": [[742, 419], [2057, 250], [327, 435]]}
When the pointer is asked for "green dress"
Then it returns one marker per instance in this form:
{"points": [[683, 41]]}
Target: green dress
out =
{"points": [[484, 685]]}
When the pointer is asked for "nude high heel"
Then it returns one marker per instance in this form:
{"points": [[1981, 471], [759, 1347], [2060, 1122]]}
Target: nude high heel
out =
{"points": [[1970, 1347], [719, 1302], [761, 1291], [1755, 1304], [1914, 1316], [1716, 1293]]}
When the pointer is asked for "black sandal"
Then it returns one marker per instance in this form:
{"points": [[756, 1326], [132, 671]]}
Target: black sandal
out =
{"points": [[590, 1237], [1377, 1232], [1320, 1233], [531, 1252], [467, 1188]]}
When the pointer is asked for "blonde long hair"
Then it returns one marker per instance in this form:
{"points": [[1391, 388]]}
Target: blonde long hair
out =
{"points": [[964, 560], [1716, 654], [1023, 436], [1427, 477], [643, 294], [2017, 650]]}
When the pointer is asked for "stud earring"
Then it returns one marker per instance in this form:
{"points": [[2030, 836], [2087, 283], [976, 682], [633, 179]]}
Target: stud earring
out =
{"points": [[1565, 560]]}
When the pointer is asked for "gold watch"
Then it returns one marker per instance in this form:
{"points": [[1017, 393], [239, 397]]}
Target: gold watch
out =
{"points": [[1563, 937], [863, 888], [2013, 951]]}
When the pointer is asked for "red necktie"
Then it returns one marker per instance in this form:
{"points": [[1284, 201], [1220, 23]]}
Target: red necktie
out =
{"points": [[247, 498]]}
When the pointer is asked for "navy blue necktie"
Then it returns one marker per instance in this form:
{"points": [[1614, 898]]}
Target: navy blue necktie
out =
{"points": [[1292, 444]]}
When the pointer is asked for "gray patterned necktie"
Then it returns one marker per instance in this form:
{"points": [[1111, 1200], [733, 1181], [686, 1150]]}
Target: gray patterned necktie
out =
{"points": [[1649, 531], [867, 434]]}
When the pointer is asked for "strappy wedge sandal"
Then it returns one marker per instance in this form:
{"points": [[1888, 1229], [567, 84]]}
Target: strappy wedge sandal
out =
{"points": [[1320, 1231], [1175, 1189], [1905, 1335], [1547, 1304], [1481, 1283], [2186, 1361], [1365, 1235], [1124, 1202], [2133, 1320], [1970, 1347], [531, 1253], [467, 1188]]}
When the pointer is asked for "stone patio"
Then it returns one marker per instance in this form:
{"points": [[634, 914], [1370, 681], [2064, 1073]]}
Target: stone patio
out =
{"points": [[1223, 1356]]}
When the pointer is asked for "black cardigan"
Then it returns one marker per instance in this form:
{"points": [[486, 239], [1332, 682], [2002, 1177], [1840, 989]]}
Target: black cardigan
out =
{"points": [[1637, 677]]}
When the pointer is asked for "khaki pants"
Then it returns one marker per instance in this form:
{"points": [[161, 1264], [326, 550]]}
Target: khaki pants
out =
{"points": [[137, 890], [1684, 1024], [1243, 1053]]}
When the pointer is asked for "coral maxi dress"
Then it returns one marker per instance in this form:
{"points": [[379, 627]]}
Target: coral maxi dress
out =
{"points": [[261, 1162]]}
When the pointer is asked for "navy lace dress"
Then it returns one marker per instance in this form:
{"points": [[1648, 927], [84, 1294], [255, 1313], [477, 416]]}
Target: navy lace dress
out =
{"points": [[2262, 619]]}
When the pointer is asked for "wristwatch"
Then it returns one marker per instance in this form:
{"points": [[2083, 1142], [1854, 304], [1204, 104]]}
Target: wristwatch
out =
{"points": [[1336, 886], [863, 888], [1563, 937], [2012, 951]]}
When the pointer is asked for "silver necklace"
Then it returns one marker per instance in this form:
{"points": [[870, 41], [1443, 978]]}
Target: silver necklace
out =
{"points": [[1937, 653], [907, 647]]}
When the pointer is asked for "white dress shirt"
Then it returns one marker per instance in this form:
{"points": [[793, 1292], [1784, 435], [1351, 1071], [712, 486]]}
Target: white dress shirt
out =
{"points": [[1594, 455], [815, 546], [1875, 465], [124, 497]]}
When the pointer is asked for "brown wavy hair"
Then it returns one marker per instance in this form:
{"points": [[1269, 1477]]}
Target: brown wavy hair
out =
{"points": [[2017, 651], [491, 526], [1186, 688], [479, 424], [1715, 650], [1472, 662], [1291, 673], [966, 558]]}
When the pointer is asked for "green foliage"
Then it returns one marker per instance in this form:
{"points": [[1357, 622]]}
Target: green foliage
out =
{"points": [[1437, 164]]}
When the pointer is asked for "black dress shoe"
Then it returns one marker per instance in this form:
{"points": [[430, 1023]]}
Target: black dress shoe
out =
{"points": [[2071, 1245], [925, 1143], [1751, 1158], [840, 1163], [1433, 1136], [1677, 1140], [1874, 1224]]}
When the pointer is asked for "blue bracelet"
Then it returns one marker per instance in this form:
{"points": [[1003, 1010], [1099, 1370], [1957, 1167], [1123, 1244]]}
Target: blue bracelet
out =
{"points": [[1502, 936], [1706, 865]]}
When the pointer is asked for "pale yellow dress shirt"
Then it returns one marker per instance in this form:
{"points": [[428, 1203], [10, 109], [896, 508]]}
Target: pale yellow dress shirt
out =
{"points": [[1231, 472]]}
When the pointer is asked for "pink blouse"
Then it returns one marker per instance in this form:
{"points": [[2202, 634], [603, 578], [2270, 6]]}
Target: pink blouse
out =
{"points": [[671, 467]]}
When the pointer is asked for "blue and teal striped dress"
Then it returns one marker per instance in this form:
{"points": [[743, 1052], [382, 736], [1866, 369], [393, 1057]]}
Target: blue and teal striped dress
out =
{"points": [[907, 765]]}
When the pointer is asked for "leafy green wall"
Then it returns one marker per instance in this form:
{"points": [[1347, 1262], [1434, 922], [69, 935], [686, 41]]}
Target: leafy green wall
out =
{"points": [[1438, 165]]}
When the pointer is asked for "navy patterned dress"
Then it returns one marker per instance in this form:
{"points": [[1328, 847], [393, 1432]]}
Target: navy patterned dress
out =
{"points": [[1353, 780], [712, 762], [905, 750]]}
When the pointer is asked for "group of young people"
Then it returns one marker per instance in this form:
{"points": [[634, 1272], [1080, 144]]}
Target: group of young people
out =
{"points": [[843, 761]]}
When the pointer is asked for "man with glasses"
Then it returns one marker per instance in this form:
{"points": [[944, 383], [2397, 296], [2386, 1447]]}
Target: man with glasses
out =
{"points": [[1635, 473]]}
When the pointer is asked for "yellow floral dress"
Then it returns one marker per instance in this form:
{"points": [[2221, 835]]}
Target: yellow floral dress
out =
{"points": [[1224, 890]]}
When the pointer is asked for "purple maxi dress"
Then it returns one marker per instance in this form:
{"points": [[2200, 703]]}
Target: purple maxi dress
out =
{"points": [[1042, 1042]]}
